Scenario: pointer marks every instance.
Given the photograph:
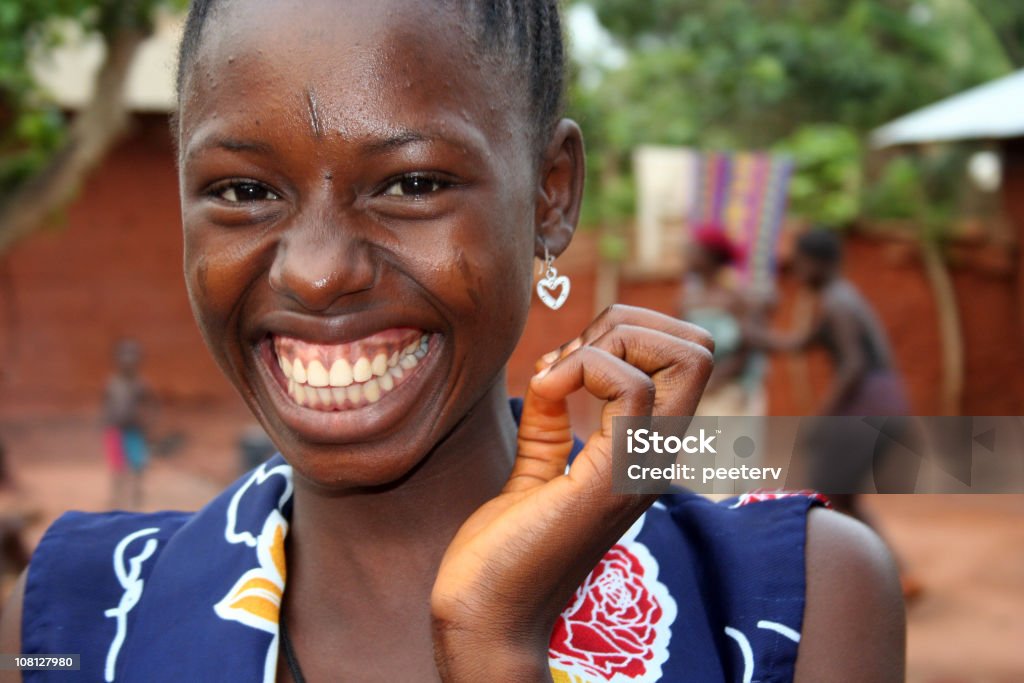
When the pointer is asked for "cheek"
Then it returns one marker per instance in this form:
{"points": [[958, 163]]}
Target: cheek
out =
{"points": [[495, 284], [492, 271], [219, 267], [480, 275]]}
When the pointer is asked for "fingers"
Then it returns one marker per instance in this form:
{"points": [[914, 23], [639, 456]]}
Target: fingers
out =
{"points": [[619, 314], [678, 368], [545, 434], [677, 356], [607, 371], [626, 389], [639, 362]]}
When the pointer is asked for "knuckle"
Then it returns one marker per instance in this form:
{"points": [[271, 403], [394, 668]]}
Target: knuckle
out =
{"points": [[702, 337], [705, 356], [693, 356], [615, 312], [645, 389], [616, 309]]}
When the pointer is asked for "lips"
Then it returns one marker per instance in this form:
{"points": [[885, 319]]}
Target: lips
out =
{"points": [[342, 377]]}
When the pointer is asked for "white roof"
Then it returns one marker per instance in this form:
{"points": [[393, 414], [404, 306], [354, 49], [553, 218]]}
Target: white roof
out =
{"points": [[990, 111], [68, 73]]}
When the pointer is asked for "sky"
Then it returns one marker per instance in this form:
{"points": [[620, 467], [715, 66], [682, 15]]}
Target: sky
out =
{"points": [[592, 46]]}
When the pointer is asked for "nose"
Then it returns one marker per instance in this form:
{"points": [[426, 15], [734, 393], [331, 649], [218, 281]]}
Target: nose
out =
{"points": [[319, 262]]}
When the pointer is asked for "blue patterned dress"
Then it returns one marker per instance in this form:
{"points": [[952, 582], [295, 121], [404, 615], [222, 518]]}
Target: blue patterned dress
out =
{"points": [[695, 591]]}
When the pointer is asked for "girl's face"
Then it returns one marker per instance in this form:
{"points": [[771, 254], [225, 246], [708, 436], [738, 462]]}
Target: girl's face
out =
{"points": [[361, 201]]}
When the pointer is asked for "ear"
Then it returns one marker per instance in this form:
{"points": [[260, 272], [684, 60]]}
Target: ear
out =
{"points": [[563, 170]]}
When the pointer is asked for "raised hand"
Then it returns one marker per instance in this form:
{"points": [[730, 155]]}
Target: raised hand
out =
{"points": [[515, 563]]}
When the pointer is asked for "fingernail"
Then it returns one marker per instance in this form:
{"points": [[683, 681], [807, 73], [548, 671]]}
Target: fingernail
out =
{"points": [[550, 357], [543, 373], [573, 345]]}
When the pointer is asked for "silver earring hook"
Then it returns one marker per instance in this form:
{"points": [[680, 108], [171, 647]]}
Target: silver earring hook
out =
{"points": [[549, 266]]}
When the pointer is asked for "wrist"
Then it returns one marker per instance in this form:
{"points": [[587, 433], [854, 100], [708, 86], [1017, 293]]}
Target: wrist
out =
{"points": [[466, 654]]}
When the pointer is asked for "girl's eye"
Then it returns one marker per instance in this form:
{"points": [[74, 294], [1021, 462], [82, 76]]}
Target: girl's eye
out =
{"points": [[241, 192], [414, 186]]}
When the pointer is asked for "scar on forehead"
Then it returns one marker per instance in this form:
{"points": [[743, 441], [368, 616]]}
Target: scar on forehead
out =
{"points": [[314, 115]]}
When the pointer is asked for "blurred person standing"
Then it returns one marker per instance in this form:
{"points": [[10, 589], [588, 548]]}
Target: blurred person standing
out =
{"points": [[127, 406], [712, 302], [864, 382]]}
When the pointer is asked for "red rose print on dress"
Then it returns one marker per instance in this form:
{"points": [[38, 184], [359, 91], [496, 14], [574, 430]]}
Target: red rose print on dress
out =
{"points": [[763, 495], [617, 627]]}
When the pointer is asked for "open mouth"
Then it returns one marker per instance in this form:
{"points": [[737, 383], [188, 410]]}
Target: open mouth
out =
{"points": [[341, 377]]}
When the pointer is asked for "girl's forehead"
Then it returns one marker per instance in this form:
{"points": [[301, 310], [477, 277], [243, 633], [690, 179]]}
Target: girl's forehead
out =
{"points": [[340, 66]]}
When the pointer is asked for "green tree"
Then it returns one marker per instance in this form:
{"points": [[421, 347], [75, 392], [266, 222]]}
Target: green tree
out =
{"points": [[739, 74], [1006, 20], [44, 156]]}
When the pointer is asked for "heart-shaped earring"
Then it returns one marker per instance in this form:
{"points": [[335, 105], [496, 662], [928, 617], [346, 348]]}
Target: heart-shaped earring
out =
{"points": [[552, 289]]}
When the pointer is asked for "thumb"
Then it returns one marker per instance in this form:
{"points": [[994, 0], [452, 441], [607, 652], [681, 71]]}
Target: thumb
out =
{"points": [[545, 442]]}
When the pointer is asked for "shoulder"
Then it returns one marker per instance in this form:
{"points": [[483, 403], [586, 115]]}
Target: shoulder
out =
{"points": [[718, 591], [88, 536], [841, 296], [854, 620], [746, 514], [80, 567], [81, 544], [781, 565], [754, 545]]}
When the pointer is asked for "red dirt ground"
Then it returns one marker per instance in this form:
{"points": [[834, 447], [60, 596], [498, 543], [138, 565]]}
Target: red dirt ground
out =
{"points": [[968, 550]]}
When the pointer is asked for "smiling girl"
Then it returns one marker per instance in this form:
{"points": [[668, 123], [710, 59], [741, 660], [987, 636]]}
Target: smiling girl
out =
{"points": [[365, 187]]}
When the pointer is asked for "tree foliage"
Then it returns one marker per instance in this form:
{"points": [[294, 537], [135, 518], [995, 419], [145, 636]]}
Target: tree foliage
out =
{"points": [[44, 156], [730, 74], [1006, 20]]}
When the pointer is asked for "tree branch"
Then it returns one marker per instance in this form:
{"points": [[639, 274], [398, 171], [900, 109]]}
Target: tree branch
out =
{"points": [[93, 132]]}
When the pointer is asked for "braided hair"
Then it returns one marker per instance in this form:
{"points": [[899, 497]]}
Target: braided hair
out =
{"points": [[526, 35]]}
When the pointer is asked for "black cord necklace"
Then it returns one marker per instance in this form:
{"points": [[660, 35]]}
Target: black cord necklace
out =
{"points": [[289, 653]]}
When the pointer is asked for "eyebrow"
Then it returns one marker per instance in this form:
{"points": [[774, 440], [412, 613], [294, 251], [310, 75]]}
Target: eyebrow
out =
{"points": [[392, 142], [395, 141], [231, 145]]}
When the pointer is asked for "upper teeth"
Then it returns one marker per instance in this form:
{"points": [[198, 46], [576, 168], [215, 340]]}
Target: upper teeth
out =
{"points": [[341, 373], [361, 371], [316, 374], [366, 379]]}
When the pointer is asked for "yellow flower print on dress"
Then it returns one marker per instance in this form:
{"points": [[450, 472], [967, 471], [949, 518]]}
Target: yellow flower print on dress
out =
{"points": [[255, 599]]}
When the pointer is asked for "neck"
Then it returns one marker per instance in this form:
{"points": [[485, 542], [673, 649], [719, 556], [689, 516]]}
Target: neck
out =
{"points": [[380, 544]]}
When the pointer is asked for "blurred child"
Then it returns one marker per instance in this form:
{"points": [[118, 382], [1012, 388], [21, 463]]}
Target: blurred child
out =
{"points": [[127, 402], [712, 302]]}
